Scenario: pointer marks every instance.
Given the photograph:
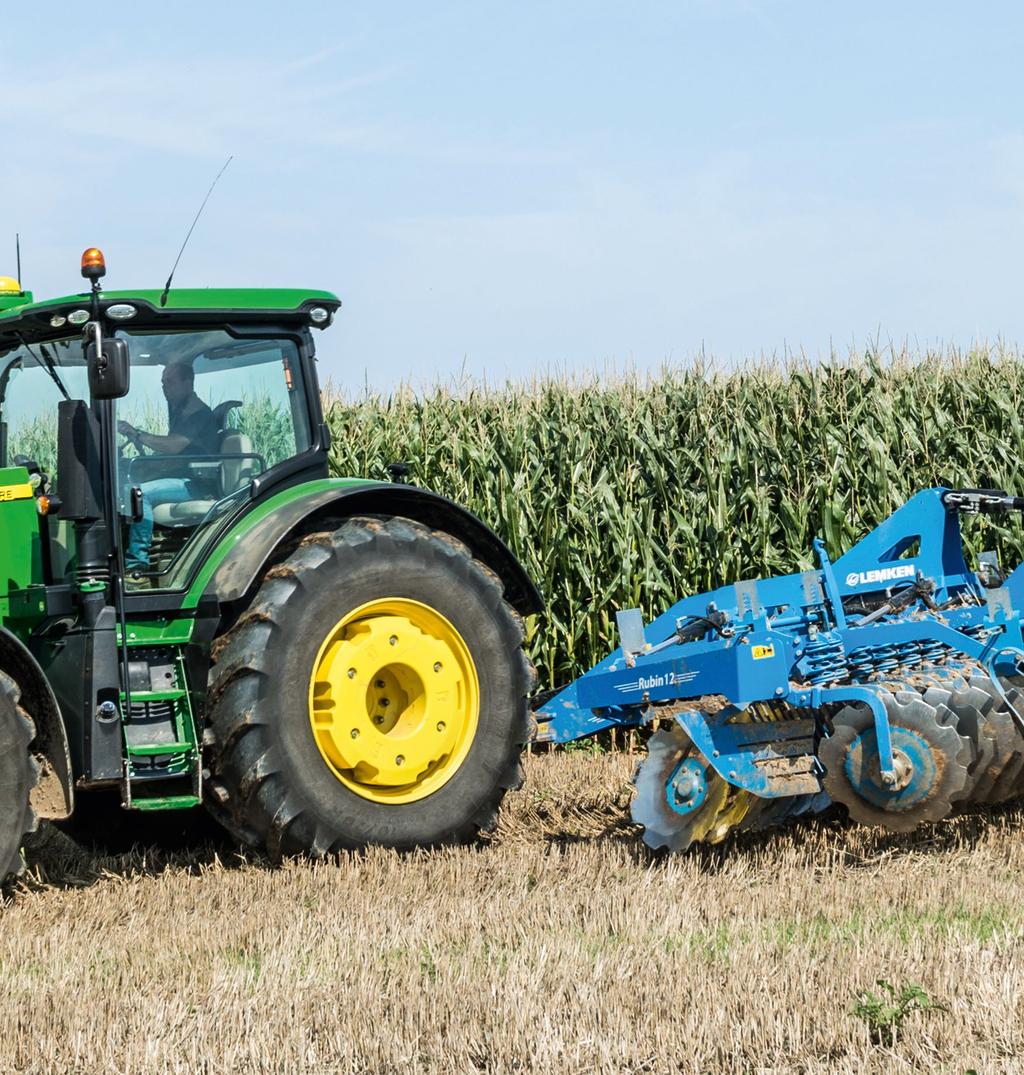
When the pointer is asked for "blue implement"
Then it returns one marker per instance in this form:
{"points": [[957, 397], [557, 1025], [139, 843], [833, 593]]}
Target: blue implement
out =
{"points": [[859, 679]]}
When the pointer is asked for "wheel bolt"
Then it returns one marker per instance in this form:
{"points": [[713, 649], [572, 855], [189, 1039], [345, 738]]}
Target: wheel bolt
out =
{"points": [[399, 760], [437, 666], [351, 673], [440, 725], [393, 640], [385, 702], [379, 683], [355, 733], [378, 720]]}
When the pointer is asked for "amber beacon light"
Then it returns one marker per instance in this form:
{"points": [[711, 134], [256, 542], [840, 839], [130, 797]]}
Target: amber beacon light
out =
{"points": [[93, 264]]}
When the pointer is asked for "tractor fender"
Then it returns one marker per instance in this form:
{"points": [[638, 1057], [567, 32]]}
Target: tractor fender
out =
{"points": [[53, 797], [235, 576]]}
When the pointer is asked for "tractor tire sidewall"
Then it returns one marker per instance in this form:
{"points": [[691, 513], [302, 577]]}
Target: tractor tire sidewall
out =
{"points": [[18, 774], [326, 582]]}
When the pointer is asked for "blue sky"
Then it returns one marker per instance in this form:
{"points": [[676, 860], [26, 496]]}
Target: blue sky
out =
{"points": [[507, 190]]}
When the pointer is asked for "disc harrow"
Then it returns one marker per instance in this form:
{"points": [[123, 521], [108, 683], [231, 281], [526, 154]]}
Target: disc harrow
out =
{"points": [[889, 682], [931, 760], [680, 799], [1002, 708]]}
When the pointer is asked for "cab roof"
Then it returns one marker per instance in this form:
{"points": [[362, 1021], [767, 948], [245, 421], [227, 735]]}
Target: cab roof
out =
{"points": [[184, 306]]}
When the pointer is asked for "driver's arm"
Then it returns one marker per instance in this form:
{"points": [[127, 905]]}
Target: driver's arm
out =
{"points": [[171, 444]]}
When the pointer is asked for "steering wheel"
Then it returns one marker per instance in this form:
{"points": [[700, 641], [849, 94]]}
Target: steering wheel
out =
{"points": [[135, 442]]}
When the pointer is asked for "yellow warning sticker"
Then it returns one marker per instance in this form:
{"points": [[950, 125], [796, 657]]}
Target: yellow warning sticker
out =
{"points": [[761, 652], [15, 492]]}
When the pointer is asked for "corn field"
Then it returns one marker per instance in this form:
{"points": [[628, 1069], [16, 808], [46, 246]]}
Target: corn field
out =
{"points": [[641, 491]]}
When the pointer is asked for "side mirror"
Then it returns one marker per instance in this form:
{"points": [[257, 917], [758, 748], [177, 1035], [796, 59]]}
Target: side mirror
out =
{"points": [[107, 362]]}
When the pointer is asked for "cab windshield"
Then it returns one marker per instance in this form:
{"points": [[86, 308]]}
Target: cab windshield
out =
{"points": [[30, 397], [207, 412]]}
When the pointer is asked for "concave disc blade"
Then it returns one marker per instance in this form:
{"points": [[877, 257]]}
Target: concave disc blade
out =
{"points": [[934, 756]]}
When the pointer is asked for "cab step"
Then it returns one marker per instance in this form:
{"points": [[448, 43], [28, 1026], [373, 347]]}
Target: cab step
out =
{"points": [[158, 724], [139, 697], [166, 802], [153, 750]]}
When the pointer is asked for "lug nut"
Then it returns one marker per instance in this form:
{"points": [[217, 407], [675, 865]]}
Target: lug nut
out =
{"points": [[400, 760], [379, 683], [378, 720], [351, 673], [393, 640], [440, 725], [355, 733], [385, 702], [437, 666]]}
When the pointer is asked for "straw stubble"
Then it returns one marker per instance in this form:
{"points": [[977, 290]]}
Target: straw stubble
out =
{"points": [[558, 946]]}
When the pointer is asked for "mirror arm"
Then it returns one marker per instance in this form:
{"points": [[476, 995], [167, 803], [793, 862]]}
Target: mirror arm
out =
{"points": [[95, 329]]}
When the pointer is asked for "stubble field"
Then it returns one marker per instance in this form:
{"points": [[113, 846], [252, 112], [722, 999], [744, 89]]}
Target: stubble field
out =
{"points": [[557, 945]]}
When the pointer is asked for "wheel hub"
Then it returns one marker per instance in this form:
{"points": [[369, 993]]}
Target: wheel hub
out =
{"points": [[913, 761], [903, 768], [394, 700], [687, 788]]}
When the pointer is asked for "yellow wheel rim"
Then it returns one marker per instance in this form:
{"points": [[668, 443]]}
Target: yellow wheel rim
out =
{"points": [[394, 700]]}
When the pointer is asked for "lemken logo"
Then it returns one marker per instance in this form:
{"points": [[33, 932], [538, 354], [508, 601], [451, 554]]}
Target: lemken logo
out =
{"points": [[880, 575]]}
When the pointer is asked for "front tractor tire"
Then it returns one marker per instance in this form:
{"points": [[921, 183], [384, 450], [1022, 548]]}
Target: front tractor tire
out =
{"points": [[19, 774], [375, 692]]}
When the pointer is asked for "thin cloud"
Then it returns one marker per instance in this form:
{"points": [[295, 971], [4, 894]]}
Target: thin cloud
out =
{"points": [[157, 107], [314, 59]]}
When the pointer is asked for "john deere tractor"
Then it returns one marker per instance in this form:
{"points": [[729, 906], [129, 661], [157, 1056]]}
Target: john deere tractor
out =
{"points": [[325, 663]]}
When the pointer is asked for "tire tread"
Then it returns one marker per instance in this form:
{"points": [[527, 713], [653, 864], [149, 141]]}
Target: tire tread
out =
{"points": [[252, 791]]}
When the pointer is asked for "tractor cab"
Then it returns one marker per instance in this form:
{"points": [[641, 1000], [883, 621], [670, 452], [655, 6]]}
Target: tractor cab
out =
{"points": [[220, 403]]}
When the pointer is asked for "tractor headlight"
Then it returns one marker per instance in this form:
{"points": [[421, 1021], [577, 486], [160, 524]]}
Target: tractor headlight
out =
{"points": [[318, 315], [78, 317], [58, 321], [121, 311]]}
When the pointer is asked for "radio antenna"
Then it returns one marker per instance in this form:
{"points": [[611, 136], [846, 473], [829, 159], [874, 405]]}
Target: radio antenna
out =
{"points": [[17, 257], [167, 286]]}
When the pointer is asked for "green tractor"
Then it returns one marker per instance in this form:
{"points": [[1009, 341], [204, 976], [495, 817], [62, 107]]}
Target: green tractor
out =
{"points": [[191, 610]]}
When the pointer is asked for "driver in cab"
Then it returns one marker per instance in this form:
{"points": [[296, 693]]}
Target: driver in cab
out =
{"points": [[191, 430]]}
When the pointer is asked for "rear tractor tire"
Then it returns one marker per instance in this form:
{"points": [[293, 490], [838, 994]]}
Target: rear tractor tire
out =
{"points": [[19, 774], [374, 693]]}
